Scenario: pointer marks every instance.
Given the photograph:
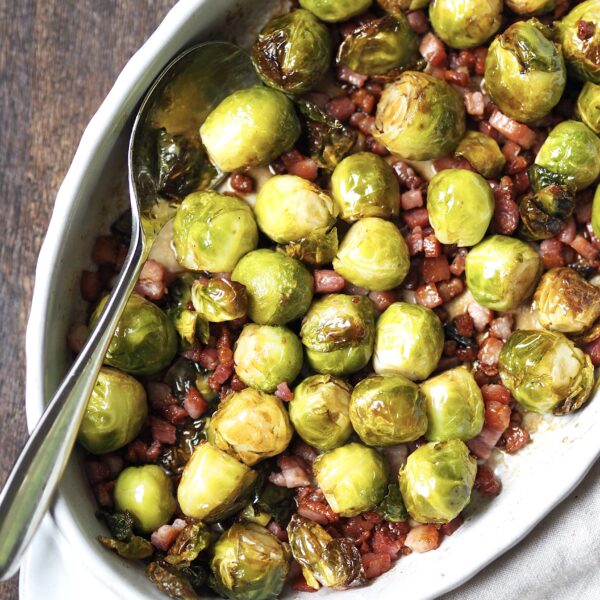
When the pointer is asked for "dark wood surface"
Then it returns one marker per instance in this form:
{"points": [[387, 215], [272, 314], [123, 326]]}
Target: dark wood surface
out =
{"points": [[58, 59]]}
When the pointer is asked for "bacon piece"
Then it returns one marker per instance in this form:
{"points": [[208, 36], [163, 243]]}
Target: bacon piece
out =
{"points": [[496, 392], [382, 300], [341, 108], [513, 130], [104, 493], [474, 104], [328, 281], [414, 241], [364, 101], [432, 49], [293, 473], [501, 327], [423, 538], [584, 248], [481, 316], [450, 527], [159, 395], [435, 269], [163, 432], [567, 234], [319, 512], [376, 564], [417, 19], [411, 199], [300, 165], [458, 264], [97, 471], [209, 358], [385, 542], [152, 281], [485, 481], [593, 349], [418, 217], [175, 414], [304, 451], [284, 392], [194, 403], [349, 76], [428, 296], [164, 537], [90, 285], [551, 252], [506, 216], [432, 247], [515, 438]]}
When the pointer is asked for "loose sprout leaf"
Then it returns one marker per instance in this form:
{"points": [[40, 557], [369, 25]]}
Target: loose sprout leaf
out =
{"points": [[120, 524], [135, 548], [275, 500], [171, 581], [317, 249], [392, 507], [174, 458], [540, 177], [191, 540]]}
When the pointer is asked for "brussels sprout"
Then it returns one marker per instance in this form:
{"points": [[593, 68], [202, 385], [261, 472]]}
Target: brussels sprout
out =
{"points": [[420, 117], [544, 212], [395, 7], [144, 341], [250, 128], [279, 288], [380, 46], [454, 406], [483, 153], [135, 548], [540, 177], [177, 582], [364, 185], [289, 208], [588, 106], [249, 563], [581, 45], [146, 493], [502, 272], [319, 411], [524, 71], [338, 333], [530, 8], [392, 507], [465, 23], [373, 255], [292, 52], [460, 205], [352, 477], [387, 410], [188, 323], [333, 11], [214, 485], [219, 299], [316, 249], [409, 341], [115, 412], [437, 480], [545, 372], [211, 232], [191, 540], [596, 213], [328, 561]]}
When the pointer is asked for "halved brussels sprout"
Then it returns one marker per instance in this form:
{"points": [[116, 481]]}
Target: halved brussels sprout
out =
{"points": [[596, 212], [454, 406], [364, 185], [395, 7], [387, 410], [380, 46], [465, 23], [437, 480], [501, 272], [319, 411], [572, 149], [581, 43], [279, 288], [190, 326], [250, 128], [146, 494], [420, 117], [524, 71], [249, 563], [483, 153], [338, 333], [289, 208], [251, 426], [292, 52], [352, 477], [460, 205], [115, 412], [218, 300], [588, 106], [409, 341], [144, 341], [316, 249], [213, 485], [545, 372], [531, 8], [373, 255], [333, 11]]}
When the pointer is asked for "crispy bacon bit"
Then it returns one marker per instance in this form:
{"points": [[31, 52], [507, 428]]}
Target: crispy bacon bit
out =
{"points": [[593, 349], [153, 452], [97, 471], [515, 438], [584, 248], [435, 269], [341, 108], [432, 247], [497, 415], [458, 264], [423, 538], [489, 353], [506, 215], [428, 296], [376, 564], [583, 213], [300, 165], [452, 162], [164, 537], [551, 252], [418, 217], [304, 451], [221, 374], [414, 241], [481, 316], [567, 234], [585, 30], [501, 327], [406, 175], [451, 289], [474, 104], [328, 281], [364, 123], [319, 512], [417, 19], [104, 493], [136, 452], [485, 481], [194, 403], [482, 445], [293, 473], [458, 77], [364, 101], [382, 300], [77, 337], [151, 283], [242, 182], [114, 462], [349, 76], [105, 250], [163, 432], [521, 181], [175, 414], [464, 325], [372, 145], [480, 56], [209, 358], [513, 130], [300, 585], [432, 49], [411, 199], [450, 527], [159, 395], [495, 392], [237, 385], [284, 392], [384, 541]]}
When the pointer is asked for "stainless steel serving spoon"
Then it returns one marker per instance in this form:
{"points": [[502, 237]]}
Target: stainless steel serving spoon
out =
{"points": [[179, 101]]}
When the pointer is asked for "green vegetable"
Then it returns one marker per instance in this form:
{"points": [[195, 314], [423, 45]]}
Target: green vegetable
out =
{"points": [[332, 11], [191, 540], [173, 581], [392, 507], [316, 249], [395, 7], [483, 153], [529, 8], [136, 548], [544, 212], [190, 326], [217, 299], [588, 106]]}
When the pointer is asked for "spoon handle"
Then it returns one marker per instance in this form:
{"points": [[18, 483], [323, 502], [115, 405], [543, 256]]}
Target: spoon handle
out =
{"points": [[29, 489]]}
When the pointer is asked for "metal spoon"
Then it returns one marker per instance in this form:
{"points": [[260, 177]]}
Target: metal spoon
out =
{"points": [[178, 101]]}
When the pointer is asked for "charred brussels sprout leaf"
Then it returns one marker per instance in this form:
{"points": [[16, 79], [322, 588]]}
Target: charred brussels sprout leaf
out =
{"points": [[540, 177], [120, 524], [316, 249], [483, 153], [274, 500], [543, 213], [192, 540], [171, 580], [530, 8], [333, 11], [588, 106], [174, 458], [135, 548], [392, 507], [217, 300]]}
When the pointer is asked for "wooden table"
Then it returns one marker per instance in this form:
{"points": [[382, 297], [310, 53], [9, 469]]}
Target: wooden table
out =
{"points": [[58, 60]]}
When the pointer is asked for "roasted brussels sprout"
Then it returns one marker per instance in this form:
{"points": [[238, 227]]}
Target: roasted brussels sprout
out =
{"points": [[394, 7], [333, 11], [531, 8], [267, 355], [596, 212], [387, 410], [409, 341], [319, 411], [144, 341], [316, 249], [289, 208], [373, 255], [501, 272], [218, 299], [364, 185], [437, 480], [572, 149], [465, 23], [181, 582], [524, 71], [292, 52], [380, 46], [328, 561], [588, 106], [420, 117], [338, 333], [545, 372], [146, 494], [581, 45], [190, 326], [352, 477], [279, 288], [251, 426], [566, 302], [115, 412], [454, 404], [460, 205], [483, 153], [250, 128], [249, 563]]}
